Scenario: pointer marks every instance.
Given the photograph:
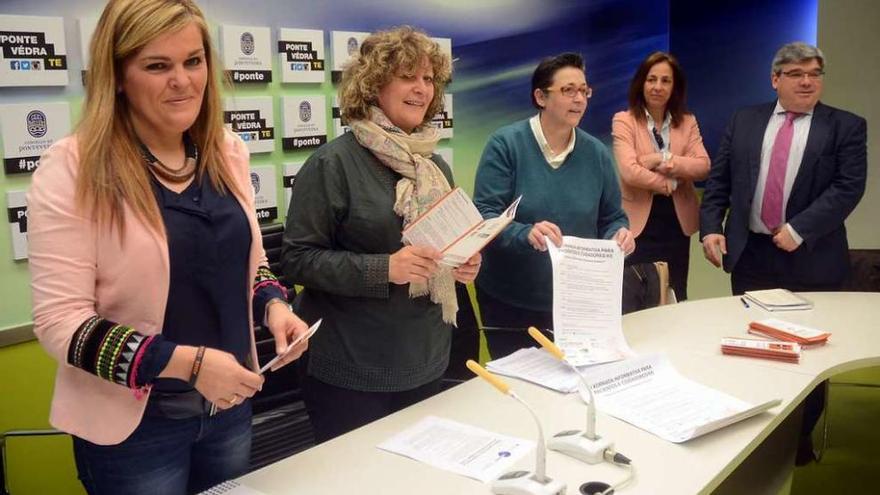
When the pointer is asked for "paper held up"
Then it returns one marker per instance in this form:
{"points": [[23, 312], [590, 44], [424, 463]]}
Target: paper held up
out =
{"points": [[454, 227], [587, 293]]}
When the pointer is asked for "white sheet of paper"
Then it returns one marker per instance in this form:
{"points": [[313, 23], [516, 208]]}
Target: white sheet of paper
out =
{"points": [[536, 366], [649, 393], [311, 331], [457, 447], [587, 292]]}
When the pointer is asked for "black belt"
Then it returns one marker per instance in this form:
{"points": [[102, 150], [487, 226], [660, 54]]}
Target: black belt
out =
{"points": [[177, 405]]}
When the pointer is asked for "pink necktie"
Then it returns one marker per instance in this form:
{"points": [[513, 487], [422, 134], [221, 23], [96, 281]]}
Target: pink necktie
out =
{"points": [[771, 205]]}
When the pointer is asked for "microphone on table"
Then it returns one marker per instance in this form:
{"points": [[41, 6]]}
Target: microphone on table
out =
{"points": [[522, 482], [585, 445]]}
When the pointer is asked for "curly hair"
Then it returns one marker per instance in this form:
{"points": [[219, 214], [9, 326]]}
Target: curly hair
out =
{"points": [[383, 55]]}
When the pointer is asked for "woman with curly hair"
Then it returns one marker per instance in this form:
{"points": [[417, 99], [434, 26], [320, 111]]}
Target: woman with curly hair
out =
{"points": [[388, 309]]}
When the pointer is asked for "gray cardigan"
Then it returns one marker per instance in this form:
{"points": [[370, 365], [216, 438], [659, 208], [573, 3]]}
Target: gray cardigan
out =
{"points": [[341, 230]]}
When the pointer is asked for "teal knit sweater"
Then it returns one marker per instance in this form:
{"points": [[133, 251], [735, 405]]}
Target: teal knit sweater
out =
{"points": [[582, 197]]}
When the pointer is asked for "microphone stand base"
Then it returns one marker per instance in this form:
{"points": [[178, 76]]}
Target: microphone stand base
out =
{"points": [[526, 483], [573, 443]]}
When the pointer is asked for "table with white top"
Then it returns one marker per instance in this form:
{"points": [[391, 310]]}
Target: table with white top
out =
{"points": [[755, 454]]}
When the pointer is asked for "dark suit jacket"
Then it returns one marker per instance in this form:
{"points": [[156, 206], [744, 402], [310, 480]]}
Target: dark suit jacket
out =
{"points": [[828, 186]]}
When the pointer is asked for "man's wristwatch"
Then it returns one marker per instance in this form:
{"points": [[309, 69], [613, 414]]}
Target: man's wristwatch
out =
{"points": [[667, 155]]}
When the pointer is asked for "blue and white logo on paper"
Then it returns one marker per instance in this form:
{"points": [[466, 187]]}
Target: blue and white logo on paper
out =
{"points": [[305, 111], [247, 43], [36, 123], [25, 65], [255, 182], [352, 45]]}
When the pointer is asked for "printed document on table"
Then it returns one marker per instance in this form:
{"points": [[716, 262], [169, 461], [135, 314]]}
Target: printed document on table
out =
{"points": [[454, 226], [537, 366], [649, 393], [587, 292], [460, 448]]}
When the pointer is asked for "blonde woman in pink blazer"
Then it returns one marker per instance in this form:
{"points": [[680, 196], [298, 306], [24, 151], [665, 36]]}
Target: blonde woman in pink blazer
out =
{"points": [[660, 153], [147, 264]]}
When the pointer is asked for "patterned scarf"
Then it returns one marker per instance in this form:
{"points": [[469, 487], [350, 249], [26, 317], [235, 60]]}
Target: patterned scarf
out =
{"points": [[422, 184]]}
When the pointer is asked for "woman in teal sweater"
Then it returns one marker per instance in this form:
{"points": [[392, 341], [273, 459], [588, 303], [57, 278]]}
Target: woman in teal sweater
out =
{"points": [[569, 187]]}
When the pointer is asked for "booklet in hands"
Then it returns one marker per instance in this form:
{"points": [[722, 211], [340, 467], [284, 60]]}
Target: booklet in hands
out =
{"points": [[454, 227]]}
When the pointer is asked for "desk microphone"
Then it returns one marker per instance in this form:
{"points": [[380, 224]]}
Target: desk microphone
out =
{"points": [[584, 445], [522, 482]]}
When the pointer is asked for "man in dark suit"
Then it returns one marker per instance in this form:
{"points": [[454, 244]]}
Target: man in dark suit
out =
{"points": [[789, 172]]}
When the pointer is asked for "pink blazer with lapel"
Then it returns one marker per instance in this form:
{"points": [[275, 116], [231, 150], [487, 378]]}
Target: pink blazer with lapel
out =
{"points": [[78, 270], [638, 184]]}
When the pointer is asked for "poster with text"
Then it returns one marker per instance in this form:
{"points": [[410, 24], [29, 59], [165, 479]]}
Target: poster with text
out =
{"points": [[32, 51], [301, 55], [343, 45], [28, 130], [443, 120], [265, 193], [247, 53], [305, 122], [252, 118], [16, 212], [288, 178]]}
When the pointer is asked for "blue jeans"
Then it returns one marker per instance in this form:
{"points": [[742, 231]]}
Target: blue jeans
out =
{"points": [[169, 456]]}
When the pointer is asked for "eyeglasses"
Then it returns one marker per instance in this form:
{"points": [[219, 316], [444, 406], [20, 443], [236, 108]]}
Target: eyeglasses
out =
{"points": [[571, 91], [796, 74], [657, 137]]}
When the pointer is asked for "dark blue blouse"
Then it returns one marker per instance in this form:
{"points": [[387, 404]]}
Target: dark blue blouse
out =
{"points": [[208, 247]]}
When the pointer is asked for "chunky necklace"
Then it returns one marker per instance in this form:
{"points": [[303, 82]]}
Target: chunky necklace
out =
{"points": [[185, 173]]}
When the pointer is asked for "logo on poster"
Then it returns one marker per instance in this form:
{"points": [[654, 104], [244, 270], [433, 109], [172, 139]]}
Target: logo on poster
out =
{"points": [[36, 123], [352, 45], [247, 43], [255, 182], [305, 111]]}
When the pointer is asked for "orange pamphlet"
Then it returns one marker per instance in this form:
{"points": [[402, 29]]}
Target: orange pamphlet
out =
{"points": [[788, 331], [767, 349]]}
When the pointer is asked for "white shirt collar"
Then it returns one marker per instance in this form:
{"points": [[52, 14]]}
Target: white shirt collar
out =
{"points": [[553, 160]]}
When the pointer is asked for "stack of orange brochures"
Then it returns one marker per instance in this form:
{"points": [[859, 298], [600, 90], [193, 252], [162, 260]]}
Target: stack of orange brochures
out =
{"points": [[778, 350], [790, 332]]}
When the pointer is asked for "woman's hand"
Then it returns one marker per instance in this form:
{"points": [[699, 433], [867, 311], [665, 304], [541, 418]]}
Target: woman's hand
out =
{"points": [[651, 160], [285, 327], [667, 168], [468, 271], [221, 380], [625, 240], [413, 264], [541, 229]]}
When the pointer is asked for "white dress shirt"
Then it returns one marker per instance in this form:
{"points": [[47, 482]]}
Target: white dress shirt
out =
{"points": [[556, 160], [795, 156]]}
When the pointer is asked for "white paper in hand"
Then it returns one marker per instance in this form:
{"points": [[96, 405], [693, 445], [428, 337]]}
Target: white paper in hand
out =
{"points": [[311, 331]]}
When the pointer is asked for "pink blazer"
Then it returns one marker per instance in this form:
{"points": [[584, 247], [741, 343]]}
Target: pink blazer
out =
{"points": [[78, 270], [638, 184]]}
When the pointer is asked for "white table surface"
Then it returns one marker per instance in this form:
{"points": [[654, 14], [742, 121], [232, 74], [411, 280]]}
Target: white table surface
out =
{"points": [[688, 333]]}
